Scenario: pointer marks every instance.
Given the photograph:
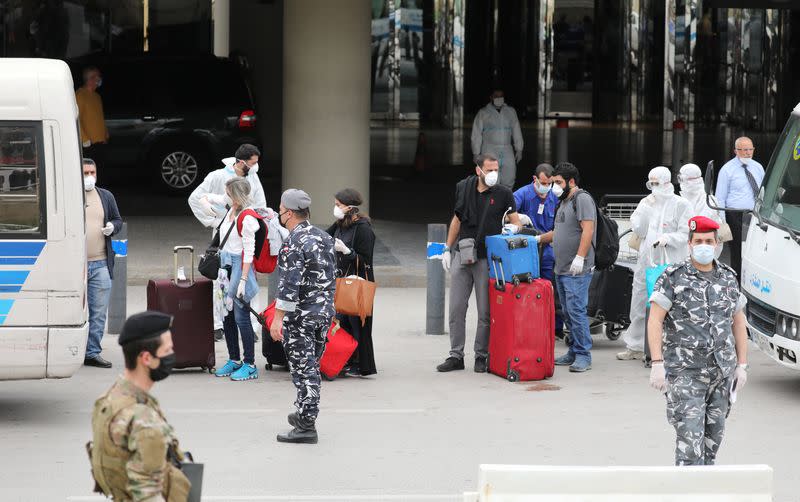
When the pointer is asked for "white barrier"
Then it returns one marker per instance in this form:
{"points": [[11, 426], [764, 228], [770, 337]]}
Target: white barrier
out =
{"points": [[529, 483]]}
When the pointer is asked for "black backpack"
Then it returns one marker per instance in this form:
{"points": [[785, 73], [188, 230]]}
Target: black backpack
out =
{"points": [[606, 235]]}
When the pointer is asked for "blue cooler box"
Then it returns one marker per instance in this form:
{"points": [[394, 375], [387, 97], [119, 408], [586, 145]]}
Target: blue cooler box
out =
{"points": [[514, 258]]}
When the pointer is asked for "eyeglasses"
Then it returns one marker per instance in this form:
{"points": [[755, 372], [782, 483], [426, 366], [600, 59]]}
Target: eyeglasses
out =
{"points": [[653, 184], [685, 179]]}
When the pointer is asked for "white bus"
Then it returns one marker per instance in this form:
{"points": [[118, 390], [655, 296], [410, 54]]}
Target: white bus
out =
{"points": [[771, 252], [43, 309]]}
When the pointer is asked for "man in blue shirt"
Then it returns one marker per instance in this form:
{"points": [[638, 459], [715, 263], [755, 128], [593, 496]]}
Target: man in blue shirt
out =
{"points": [[737, 188], [536, 204]]}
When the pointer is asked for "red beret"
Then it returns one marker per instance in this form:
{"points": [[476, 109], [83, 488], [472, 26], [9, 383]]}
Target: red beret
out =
{"points": [[701, 224]]}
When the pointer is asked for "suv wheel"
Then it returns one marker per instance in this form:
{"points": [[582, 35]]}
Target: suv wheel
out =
{"points": [[179, 169]]}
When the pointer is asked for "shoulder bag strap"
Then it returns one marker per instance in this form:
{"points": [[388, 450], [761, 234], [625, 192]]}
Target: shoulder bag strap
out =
{"points": [[233, 224], [353, 249]]}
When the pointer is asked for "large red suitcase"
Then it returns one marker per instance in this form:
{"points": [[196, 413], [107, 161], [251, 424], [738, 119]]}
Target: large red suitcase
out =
{"points": [[338, 350], [522, 330], [189, 302]]}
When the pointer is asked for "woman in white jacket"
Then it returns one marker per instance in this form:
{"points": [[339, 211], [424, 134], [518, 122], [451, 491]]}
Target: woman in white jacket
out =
{"points": [[661, 220], [237, 261]]}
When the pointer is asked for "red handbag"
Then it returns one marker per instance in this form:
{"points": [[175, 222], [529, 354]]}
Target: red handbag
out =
{"points": [[338, 350]]}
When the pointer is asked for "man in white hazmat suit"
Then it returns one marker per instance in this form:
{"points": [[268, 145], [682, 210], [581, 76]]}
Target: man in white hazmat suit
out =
{"points": [[661, 220], [208, 204], [494, 128], [694, 191]]}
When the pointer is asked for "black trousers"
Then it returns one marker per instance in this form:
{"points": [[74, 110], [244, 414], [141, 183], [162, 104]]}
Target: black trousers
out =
{"points": [[734, 220]]}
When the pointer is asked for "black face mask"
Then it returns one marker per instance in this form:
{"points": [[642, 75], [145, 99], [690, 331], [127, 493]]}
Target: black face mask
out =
{"points": [[164, 369], [280, 221]]}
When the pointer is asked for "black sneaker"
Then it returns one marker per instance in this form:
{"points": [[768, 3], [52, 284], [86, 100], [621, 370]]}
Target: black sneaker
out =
{"points": [[480, 365], [450, 364], [219, 335], [297, 435], [97, 362]]}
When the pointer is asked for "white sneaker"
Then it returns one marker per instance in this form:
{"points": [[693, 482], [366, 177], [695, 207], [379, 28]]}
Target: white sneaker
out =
{"points": [[630, 355]]}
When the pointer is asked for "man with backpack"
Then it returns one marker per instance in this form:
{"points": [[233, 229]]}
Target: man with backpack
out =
{"points": [[574, 243]]}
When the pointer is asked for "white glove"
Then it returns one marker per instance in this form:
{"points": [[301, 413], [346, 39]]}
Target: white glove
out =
{"points": [[240, 289], [340, 247], [446, 261], [577, 265], [510, 229], [662, 241], [658, 377], [537, 238], [108, 229], [518, 156], [206, 205], [740, 377], [525, 220]]}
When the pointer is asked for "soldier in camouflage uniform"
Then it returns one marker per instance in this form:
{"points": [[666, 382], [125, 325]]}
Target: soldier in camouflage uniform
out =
{"points": [[697, 311], [304, 308], [134, 448]]}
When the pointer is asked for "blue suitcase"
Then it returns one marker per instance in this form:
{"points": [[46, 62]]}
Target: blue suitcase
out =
{"points": [[514, 258]]}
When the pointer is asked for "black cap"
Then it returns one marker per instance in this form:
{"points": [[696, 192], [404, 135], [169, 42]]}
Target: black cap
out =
{"points": [[148, 324]]}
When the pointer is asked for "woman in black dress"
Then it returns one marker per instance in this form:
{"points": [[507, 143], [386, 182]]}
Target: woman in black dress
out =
{"points": [[355, 242]]}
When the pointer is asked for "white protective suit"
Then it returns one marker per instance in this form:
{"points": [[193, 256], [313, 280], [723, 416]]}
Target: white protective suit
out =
{"points": [[492, 132], [661, 218], [694, 191], [203, 207]]}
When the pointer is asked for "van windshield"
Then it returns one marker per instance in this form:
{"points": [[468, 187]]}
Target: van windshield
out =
{"points": [[780, 202]]}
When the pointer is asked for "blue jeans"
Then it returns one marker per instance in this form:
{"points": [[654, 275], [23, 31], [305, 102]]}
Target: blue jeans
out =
{"points": [[237, 322], [573, 291], [99, 293]]}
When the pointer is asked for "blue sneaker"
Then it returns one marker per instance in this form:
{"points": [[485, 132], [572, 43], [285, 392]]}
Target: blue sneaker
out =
{"points": [[566, 359], [228, 369], [581, 365], [245, 372]]}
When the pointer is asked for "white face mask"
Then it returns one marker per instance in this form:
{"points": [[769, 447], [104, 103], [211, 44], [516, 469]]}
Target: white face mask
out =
{"points": [[338, 213], [89, 182], [498, 102], [557, 190], [703, 253], [490, 178], [692, 186]]}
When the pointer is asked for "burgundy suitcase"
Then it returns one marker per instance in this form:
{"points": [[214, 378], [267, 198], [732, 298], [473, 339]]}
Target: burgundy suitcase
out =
{"points": [[522, 330], [190, 304]]}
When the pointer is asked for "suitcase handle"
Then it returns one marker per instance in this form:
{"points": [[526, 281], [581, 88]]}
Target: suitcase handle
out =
{"points": [[175, 269], [499, 279]]}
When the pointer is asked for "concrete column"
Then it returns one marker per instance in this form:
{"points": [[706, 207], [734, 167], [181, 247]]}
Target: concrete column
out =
{"points": [[326, 86], [221, 15]]}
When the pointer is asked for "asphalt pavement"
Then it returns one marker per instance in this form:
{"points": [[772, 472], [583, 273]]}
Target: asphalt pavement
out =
{"points": [[407, 433]]}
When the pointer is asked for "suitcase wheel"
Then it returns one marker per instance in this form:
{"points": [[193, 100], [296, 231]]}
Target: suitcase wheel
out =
{"points": [[268, 366], [512, 376], [516, 281], [612, 333]]}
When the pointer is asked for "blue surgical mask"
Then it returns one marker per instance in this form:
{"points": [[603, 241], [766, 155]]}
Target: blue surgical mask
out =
{"points": [[703, 253], [541, 189]]}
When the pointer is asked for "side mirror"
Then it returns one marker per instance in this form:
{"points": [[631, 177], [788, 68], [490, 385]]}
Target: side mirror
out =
{"points": [[709, 178]]}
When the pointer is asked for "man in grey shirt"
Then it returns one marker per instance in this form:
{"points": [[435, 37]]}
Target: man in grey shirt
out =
{"points": [[573, 245]]}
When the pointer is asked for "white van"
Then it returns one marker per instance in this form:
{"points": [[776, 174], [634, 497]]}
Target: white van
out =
{"points": [[771, 252], [43, 310]]}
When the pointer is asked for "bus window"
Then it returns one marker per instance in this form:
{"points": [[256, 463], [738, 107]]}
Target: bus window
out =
{"points": [[21, 181]]}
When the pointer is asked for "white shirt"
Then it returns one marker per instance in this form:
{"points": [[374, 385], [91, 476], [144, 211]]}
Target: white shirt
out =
{"points": [[245, 243]]}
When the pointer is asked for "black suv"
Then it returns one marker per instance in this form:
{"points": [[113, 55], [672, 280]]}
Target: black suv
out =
{"points": [[172, 119]]}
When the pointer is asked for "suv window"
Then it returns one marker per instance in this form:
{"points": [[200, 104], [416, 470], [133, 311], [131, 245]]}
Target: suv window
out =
{"points": [[200, 84], [21, 181]]}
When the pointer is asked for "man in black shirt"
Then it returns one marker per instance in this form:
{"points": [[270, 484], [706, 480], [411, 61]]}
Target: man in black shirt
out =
{"points": [[480, 208]]}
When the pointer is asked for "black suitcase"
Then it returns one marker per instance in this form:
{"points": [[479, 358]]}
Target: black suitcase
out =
{"points": [[270, 349], [610, 297], [189, 303]]}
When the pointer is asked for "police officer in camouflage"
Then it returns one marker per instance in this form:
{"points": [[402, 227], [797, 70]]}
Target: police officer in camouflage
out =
{"points": [[304, 308], [134, 450], [698, 342]]}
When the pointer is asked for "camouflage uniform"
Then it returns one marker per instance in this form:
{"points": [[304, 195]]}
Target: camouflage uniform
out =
{"points": [[305, 292], [699, 355], [131, 439]]}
